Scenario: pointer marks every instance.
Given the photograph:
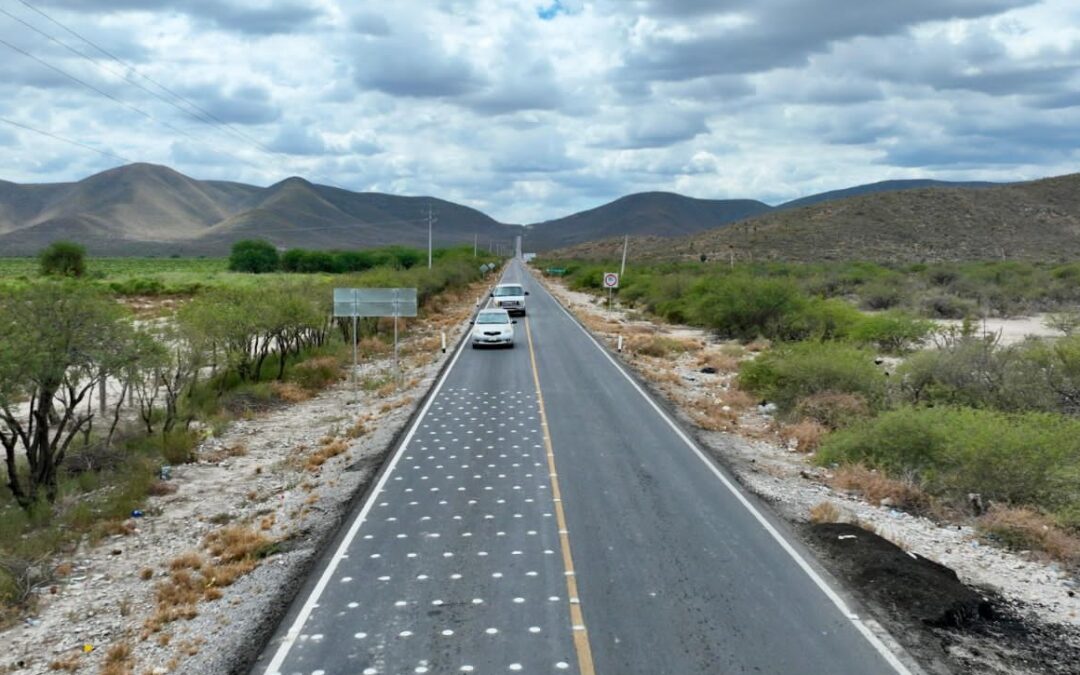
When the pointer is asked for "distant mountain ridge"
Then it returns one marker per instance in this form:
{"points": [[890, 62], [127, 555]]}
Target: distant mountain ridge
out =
{"points": [[145, 209], [1036, 220]]}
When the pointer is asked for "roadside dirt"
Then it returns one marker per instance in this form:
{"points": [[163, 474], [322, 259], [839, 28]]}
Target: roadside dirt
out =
{"points": [[1020, 614], [283, 479]]}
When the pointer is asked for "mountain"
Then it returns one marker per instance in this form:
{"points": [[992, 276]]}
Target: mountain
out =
{"points": [[883, 186], [647, 213], [144, 209], [1037, 220]]}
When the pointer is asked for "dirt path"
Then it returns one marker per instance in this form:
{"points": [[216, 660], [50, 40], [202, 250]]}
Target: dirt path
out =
{"points": [[284, 479], [1042, 631]]}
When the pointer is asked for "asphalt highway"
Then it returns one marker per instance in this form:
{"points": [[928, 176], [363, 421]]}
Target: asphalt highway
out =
{"points": [[545, 515]]}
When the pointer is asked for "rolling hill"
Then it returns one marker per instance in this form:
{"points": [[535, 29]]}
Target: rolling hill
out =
{"points": [[1037, 220], [662, 214], [882, 186], [144, 209]]}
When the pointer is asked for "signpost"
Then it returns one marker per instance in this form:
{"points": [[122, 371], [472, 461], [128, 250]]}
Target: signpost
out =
{"points": [[374, 302], [611, 282]]}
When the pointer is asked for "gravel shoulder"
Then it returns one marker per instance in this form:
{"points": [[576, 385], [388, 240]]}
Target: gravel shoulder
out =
{"points": [[259, 475], [1034, 625]]}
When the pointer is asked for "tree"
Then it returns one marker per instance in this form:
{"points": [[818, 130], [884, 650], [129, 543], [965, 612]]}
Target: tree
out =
{"points": [[63, 259], [58, 340], [254, 255]]}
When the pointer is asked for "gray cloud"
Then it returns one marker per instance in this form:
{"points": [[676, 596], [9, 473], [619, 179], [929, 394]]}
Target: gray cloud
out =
{"points": [[249, 104], [412, 66], [242, 17]]}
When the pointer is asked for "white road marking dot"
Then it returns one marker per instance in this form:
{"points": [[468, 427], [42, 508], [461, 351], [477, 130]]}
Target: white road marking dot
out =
{"points": [[405, 633], [477, 601], [518, 601], [562, 665], [534, 629], [360, 636], [491, 631], [354, 605], [370, 671], [448, 632], [515, 666]]}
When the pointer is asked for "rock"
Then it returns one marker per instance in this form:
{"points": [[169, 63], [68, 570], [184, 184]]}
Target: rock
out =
{"points": [[709, 370]]}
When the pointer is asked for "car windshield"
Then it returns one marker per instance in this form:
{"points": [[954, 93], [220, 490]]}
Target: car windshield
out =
{"points": [[492, 317], [508, 290]]}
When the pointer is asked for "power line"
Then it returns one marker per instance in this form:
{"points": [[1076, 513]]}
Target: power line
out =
{"points": [[201, 113], [65, 140]]}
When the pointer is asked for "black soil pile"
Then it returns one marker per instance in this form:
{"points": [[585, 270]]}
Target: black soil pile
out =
{"points": [[945, 625], [901, 582]]}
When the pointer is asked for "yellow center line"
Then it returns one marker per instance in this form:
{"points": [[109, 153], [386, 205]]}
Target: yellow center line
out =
{"points": [[577, 619]]}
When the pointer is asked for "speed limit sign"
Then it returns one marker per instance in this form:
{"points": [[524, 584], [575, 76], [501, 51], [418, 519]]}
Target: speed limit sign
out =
{"points": [[611, 280]]}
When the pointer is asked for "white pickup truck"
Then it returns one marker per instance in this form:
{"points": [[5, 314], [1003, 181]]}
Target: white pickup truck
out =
{"points": [[510, 297]]}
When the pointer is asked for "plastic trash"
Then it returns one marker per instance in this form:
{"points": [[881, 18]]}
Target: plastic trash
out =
{"points": [[166, 472], [136, 514]]}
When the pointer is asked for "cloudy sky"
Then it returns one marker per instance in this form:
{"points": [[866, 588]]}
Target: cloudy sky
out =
{"points": [[532, 109]]}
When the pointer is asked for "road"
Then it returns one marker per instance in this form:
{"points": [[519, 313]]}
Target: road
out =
{"points": [[544, 515]]}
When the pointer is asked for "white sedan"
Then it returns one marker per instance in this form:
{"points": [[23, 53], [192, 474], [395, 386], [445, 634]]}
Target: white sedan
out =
{"points": [[492, 328]]}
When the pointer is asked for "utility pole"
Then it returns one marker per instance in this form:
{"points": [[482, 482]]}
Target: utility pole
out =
{"points": [[430, 220], [625, 245]]}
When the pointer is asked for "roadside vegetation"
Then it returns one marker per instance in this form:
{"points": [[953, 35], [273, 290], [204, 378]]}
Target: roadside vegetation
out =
{"points": [[943, 420], [76, 463]]}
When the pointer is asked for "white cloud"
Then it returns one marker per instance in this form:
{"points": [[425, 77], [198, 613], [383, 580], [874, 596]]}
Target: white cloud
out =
{"points": [[530, 109]]}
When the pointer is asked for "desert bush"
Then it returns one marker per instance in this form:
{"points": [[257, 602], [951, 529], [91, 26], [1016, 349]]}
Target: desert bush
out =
{"points": [[1026, 529], [877, 488], [806, 434], [253, 255], [881, 295], [833, 410], [661, 346], [1016, 459], [794, 372], [316, 373], [894, 332], [825, 512], [63, 259], [978, 372], [942, 306]]}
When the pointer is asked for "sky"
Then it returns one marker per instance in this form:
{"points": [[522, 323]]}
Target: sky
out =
{"points": [[534, 109]]}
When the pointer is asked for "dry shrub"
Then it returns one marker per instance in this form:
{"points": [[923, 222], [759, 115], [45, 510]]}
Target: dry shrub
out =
{"points": [[146, 574], [325, 453], [119, 660], [710, 416], [758, 345], [186, 561], [113, 528], [806, 434], [267, 522], [832, 409], [737, 399], [661, 346], [720, 362], [387, 389], [825, 512], [370, 346], [880, 490], [226, 574], [598, 325], [236, 542], [237, 450], [290, 392], [64, 570], [316, 373], [161, 488], [70, 663], [1028, 530]]}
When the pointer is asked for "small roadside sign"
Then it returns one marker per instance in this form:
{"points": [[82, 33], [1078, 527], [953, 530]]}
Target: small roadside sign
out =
{"points": [[611, 280]]}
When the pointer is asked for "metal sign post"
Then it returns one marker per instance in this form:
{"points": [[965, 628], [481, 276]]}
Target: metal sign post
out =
{"points": [[374, 302], [611, 282]]}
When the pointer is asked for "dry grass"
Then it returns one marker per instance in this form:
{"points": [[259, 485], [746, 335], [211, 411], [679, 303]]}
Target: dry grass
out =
{"points": [[70, 663], [1027, 529], [718, 361], [119, 660], [394, 405], [598, 325], [880, 490], [290, 392], [825, 512], [661, 346], [237, 450], [833, 410], [186, 561], [236, 542], [161, 488], [806, 435], [325, 453], [736, 399], [358, 429], [759, 345]]}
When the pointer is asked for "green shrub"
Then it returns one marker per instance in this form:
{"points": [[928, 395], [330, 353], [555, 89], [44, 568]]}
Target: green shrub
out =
{"points": [[744, 307], [833, 410], [255, 256], [63, 259], [894, 332], [1014, 458], [948, 307], [794, 372]]}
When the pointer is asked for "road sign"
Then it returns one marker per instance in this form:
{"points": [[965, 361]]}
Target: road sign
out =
{"points": [[611, 280], [360, 302]]}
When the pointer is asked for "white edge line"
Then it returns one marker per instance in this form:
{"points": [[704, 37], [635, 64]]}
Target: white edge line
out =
{"points": [[305, 612], [873, 639]]}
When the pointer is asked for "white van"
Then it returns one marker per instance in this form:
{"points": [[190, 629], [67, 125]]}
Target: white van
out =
{"points": [[510, 297]]}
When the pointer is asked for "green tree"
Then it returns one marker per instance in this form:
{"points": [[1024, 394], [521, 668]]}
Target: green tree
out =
{"points": [[63, 259], [255, 256], [57, 342]]}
